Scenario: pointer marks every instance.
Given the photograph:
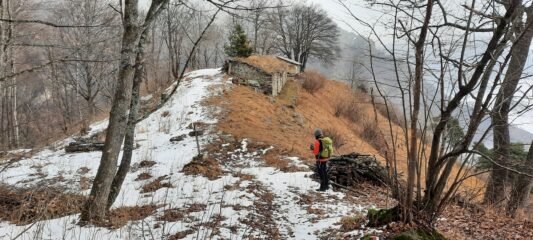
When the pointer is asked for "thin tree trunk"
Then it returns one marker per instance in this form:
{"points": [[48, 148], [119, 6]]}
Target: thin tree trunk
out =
{"points": [[129, 138], [522, 187], [495, 193], [436, 163], [96, 206], [417, 92]]}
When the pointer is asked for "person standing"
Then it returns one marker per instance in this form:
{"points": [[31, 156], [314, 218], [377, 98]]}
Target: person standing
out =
{"points": [[322, 149]]}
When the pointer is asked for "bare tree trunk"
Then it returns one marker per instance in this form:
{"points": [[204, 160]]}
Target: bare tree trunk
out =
{"points": [[96, 206], [129, 138], [417, 92], [522, 186], [495, 193]]}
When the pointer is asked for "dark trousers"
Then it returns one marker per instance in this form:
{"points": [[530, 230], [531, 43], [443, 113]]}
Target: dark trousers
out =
{"points": [[322, 169]]}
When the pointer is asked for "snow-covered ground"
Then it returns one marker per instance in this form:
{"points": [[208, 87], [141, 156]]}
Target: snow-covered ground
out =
{"points": [[251, 199]]}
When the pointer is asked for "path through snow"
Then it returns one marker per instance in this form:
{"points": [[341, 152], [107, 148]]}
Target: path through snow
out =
{"points": [[249, 200]]}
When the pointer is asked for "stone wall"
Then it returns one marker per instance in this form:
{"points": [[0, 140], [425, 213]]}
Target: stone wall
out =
{"points": [[262, 81], [278, 81]]}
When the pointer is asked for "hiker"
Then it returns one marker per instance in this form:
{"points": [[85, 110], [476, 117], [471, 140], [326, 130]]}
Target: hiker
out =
{"points": [[322, 149]]}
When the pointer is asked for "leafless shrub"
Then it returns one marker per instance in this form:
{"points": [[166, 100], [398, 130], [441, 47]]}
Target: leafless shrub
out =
{"points": [[312, 81], [393, 114], [373, 135], [349, 109], [336, 137]]}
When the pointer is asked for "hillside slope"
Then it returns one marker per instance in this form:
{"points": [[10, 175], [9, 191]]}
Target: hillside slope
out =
{"points": [[252, 182], [288, 120], [170, 195]]}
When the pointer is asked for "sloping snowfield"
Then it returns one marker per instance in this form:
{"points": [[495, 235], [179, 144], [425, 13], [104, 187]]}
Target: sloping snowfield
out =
{"points": [[266, 204]]}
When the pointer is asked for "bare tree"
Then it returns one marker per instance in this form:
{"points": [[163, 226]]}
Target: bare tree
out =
{"points": [[464, 83], [304, 31], [87, 78], [523, 33], [9, 126], [96, 206]]}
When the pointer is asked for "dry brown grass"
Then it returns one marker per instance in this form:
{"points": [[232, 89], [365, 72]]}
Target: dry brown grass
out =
{"points": [[146, 163], [83, 170], [393, 113], [23, 206], [268, 63], [156, 185], [165, 114], [351, 223], [312, 81], [203, 166], [181, 234], [85, 183], [244, 176], [172, 215], [336, 136], [254, 116], [349, 109], [119, 217], [273, 158], [143, 176], [372, 134]]}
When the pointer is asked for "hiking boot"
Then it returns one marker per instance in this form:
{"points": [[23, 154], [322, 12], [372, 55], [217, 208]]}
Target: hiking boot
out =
{"points": [[320, 190]]}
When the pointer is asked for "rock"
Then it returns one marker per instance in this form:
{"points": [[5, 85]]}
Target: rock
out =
{"points": [[226, 138], [196, 133], [382, 217], [178, 138], [298, 118]]}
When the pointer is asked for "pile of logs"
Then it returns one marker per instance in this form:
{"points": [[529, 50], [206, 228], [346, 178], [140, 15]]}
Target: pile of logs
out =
{"points": [[348, 170], [84, 145]]}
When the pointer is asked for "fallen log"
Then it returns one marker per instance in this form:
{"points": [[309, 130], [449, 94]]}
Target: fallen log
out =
{"points": [[74, 147]]}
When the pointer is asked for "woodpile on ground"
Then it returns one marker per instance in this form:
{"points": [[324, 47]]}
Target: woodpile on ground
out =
{"points": [[351, 169], [84, 145]]}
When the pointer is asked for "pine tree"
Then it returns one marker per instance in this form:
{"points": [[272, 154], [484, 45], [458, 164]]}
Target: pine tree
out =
{"points": [[238, 43]]}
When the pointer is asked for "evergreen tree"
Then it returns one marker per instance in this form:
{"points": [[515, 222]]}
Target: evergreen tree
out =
{"points": [[238, 43]]}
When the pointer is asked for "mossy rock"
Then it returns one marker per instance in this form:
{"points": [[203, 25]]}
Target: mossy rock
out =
{"points": [[366, 237], [382, 217], [420, 234]]}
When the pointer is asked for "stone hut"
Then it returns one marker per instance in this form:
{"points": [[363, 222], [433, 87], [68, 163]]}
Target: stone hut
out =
{"points": [[267, 74]]}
